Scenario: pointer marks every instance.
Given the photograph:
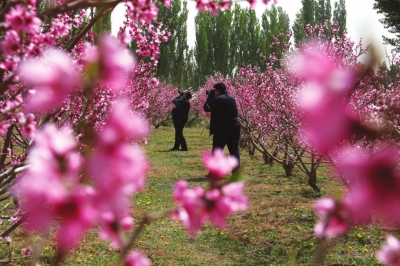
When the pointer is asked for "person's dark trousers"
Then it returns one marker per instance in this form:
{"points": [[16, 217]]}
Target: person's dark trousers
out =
{"points": [[229, 138], [179, 138]]}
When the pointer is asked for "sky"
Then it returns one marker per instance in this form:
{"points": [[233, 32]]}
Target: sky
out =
{"points": [[362, 20]]}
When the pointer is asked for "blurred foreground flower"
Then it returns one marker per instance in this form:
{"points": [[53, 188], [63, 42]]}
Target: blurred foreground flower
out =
{"points": [[373, 179], [196, 205], [327, 119], [217, 164], [389, 254], [110, 62], [135, 258], [336, 217], [50, 79], [118, 170], [50, 190]]}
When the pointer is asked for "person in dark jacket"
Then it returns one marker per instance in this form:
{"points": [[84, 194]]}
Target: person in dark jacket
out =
{"points": [[180, 115], [224, 124]]}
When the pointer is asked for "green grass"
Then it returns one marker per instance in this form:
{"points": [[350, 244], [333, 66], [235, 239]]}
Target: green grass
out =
{"points": [[277, 229]]}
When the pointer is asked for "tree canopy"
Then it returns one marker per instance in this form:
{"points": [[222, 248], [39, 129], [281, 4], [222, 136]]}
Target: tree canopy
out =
{"points": [[390, 10]]}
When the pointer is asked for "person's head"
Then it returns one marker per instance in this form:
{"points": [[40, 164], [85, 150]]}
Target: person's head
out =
{"points": [[187, 95], [220, 88]]}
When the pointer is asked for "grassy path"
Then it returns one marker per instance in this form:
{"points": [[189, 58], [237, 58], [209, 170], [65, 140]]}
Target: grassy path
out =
{"points": [[277, 229]]}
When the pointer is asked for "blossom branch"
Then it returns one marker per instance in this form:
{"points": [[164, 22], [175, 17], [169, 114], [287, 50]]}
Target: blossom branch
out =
{"points": [[148, 218], [77, 5], [74, 41], [12, 228], [7, 143]]}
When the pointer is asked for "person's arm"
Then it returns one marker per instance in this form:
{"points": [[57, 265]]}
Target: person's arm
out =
{"points": [[187, 110], [209, 103], [177, 101]]}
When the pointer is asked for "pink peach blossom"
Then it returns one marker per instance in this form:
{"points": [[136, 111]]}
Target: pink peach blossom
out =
{"points": [[28, 129], [327, 119], [195, 204], [373, 180], [49, 189], [50, 80], [191, 210], [123, 125], [112, 227], [59, 141], [336, 217], [11, 42], [115, 62], [226, 201], [120, 170], [389, 254], [136, 258], [77, 213], [27, 251], [21, 19], [218, 164]]}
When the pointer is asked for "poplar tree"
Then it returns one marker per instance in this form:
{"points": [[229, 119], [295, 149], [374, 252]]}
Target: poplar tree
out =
{"points": [[191, 78], [391, 21], [220, 41], [236, 44], [274, 22], [309, 11], [245, 38], [103, 25], [171, 66], [252, 38], [298, 29], [328, 11], [339, 16], [306, 16], [201, 49], [318, 12]]}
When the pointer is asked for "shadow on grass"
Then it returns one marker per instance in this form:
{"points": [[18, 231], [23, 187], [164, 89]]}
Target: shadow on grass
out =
{"points": [[257, 252], [175, 151], [197, 179], [309, 194], [165, 151]]}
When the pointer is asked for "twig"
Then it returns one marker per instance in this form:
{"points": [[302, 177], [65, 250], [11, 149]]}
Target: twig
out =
{"points": [[5, 207], [12, 227], [74, 41], [148, 218]]}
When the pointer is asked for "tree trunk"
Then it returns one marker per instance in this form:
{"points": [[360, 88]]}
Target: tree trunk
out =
{"points": [[288, 167], [274, 155], [251, 149], [312, 179], [266, 158]]}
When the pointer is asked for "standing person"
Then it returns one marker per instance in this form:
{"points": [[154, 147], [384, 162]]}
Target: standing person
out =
{"points": [[180, 115], [224, 125]]}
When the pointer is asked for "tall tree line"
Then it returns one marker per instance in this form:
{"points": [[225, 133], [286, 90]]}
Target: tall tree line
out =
{"points": [[391, 21], [103, 25], [174, 54], [234, 38], [315, 12], [223, 43]]}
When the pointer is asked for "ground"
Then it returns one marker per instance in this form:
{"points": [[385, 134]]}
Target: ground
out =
{"points": [[277, 229]]}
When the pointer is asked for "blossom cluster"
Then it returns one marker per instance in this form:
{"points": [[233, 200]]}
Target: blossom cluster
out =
{"points": [[71, 114], [195, 205], [51, 190], [333, 126], [327, 106]]}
